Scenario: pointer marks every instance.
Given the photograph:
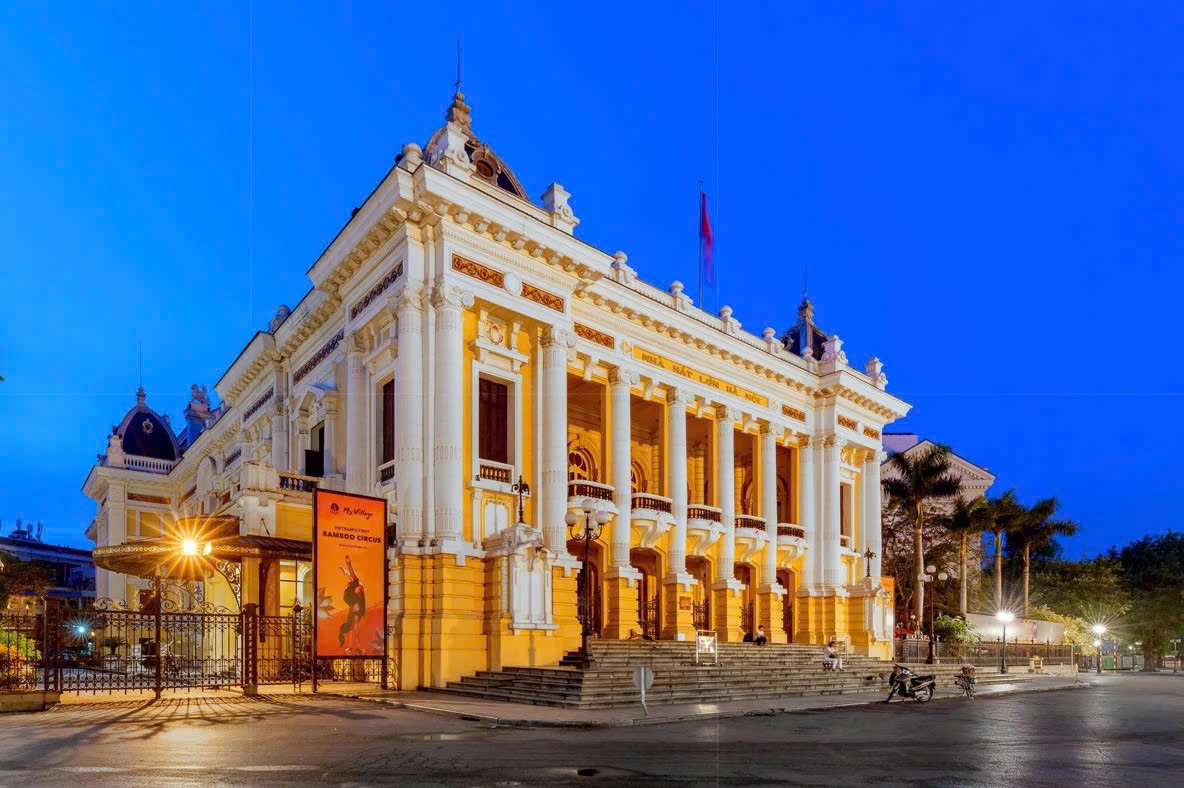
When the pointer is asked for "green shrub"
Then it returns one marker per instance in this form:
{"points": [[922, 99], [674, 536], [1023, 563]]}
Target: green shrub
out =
{"points": [[952, 629]]}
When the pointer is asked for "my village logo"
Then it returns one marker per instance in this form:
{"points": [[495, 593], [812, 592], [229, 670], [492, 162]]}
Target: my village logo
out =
{"points": [[351, 511]]}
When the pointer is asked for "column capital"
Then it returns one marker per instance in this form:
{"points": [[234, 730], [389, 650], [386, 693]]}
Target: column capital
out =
{"points": [[678, 395], [623, 376], [557, 335], [409, 298], [726, 412], [446, 295]]}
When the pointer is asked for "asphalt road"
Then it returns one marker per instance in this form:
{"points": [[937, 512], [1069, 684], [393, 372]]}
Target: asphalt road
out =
{"points": [[1126, 730]]}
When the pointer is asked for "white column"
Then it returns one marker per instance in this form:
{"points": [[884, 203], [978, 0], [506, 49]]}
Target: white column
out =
{"points": [[554, 443], [448, 435], [620, 455], [831, 562], [409, 417], [806, 513], [279, 436], [768, 464], [725, 489], [356, 472], [330, 458], [872, 538], [676, 453]]}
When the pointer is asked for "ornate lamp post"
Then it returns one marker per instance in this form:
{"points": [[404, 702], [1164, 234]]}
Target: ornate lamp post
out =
{"points": [[521, 489], [1099, 630], [869, 555], [593, 525], [1004, 617], [927, 579]]}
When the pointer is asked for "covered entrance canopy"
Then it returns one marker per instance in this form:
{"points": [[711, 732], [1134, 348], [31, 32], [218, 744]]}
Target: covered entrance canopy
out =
{"points": [[194, 546]]}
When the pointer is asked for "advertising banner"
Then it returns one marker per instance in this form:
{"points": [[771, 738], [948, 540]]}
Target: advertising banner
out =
{"points": [[349, 567]]}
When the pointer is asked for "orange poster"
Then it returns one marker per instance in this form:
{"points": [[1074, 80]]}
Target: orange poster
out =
{"points": [[349, 556]]}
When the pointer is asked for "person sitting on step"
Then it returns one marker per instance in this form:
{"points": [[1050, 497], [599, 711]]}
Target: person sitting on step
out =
{"points": [[830, 658], [760, 638]]}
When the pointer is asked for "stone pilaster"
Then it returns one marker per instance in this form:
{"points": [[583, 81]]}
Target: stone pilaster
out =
{"points": [[329, 401], [677, 616], [726, 590], [832, 569], [409, 468], [770, 593], [448, 421], [872, 538], [621, 579], [356, 399], [553, 350]]}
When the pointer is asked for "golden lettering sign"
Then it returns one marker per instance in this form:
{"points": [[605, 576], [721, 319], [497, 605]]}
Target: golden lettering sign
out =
{"points": [[697, 376]]}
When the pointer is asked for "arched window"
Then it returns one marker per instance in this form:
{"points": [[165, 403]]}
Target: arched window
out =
{"points": [[637, 479], [580, 465]]}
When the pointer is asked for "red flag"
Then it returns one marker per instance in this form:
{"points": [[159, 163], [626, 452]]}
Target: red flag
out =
{"points": [[706, 242]]}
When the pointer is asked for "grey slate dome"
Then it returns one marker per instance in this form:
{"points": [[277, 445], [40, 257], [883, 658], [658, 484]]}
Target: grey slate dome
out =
{"points": [[144, 433]]}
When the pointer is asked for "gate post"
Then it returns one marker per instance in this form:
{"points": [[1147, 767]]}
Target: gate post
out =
{"points": [[158, 587], [250, 672]]}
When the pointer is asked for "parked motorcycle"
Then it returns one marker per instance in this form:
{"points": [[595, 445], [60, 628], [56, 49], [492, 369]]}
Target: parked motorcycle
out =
{"points": [[909, 685]]}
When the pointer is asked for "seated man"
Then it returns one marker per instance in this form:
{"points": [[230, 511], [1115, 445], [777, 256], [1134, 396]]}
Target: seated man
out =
{"points": [[760, 639], [830, 658]]}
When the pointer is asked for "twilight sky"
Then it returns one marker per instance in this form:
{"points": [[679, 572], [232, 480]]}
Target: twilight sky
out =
{"points": [[988, 199]]}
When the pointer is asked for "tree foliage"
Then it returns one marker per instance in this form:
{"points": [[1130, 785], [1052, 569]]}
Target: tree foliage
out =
{"points": [[1152, 570], [23, 578], [955, 630]]}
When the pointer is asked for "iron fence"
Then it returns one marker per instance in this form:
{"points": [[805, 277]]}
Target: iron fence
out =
{"points": [[984, 654], [109, 649]]}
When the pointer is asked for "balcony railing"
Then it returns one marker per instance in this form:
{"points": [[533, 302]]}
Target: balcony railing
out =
{"points": [[583, 488], [295, 482], [386, 472], [148, 464], [655, 503], [791, 530], [698, 511], [749, 521], [491, 471]]}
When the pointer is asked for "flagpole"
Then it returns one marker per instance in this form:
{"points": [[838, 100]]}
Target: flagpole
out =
{"points": [[698, 212]]}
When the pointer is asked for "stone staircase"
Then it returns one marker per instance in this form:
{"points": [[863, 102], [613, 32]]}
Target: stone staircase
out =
{"points": [[745, 672]]}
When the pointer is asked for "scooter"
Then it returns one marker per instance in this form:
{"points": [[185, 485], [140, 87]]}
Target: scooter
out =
{"points": [[910, 685]]}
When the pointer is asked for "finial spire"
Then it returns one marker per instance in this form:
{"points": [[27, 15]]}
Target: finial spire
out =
{"points": [[460, 60]]}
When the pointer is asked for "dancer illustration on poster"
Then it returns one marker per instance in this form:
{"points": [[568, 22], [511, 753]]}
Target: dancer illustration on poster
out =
{"points": [[355, 601]]}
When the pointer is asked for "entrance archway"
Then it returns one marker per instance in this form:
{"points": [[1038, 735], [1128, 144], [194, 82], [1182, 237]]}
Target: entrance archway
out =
{"points": [[700, 568], [745, 574], [649, 601], [595, 561], [788, 580]]}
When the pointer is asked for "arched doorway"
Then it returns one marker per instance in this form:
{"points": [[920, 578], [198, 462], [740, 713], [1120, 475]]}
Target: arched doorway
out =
{"points": [[745, 573], [595, 559], [700, 568], [649, 594], [788, 580]]}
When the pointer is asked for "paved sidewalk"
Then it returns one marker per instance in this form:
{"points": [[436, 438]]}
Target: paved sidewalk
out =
{"points": [[522, 715]]}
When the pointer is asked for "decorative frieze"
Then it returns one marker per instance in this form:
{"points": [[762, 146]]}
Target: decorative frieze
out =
{"points": [[259, 403], [592, 335], [376, 291], [868, 431], [230, 458], [848, 423], [699, 377], [478, 271], [793, 413], [142, 498], [550, 300], [320, 356]]}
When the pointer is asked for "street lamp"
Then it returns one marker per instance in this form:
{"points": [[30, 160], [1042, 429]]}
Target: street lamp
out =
{"points": [[1004, 617], [593, 526], [928, 578], [1099, 630]]}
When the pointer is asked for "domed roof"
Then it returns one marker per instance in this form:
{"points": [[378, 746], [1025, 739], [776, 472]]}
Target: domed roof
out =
{"points": [[487, 165], [144, 433]]}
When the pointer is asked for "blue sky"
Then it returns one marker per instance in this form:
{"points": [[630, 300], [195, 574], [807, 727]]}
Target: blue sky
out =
{"points": [[987, 198]]}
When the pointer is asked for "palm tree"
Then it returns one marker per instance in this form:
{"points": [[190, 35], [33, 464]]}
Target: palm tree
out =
{"points": [[918, 481], [1035, 528], [967, 518], [1002, 512]]}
